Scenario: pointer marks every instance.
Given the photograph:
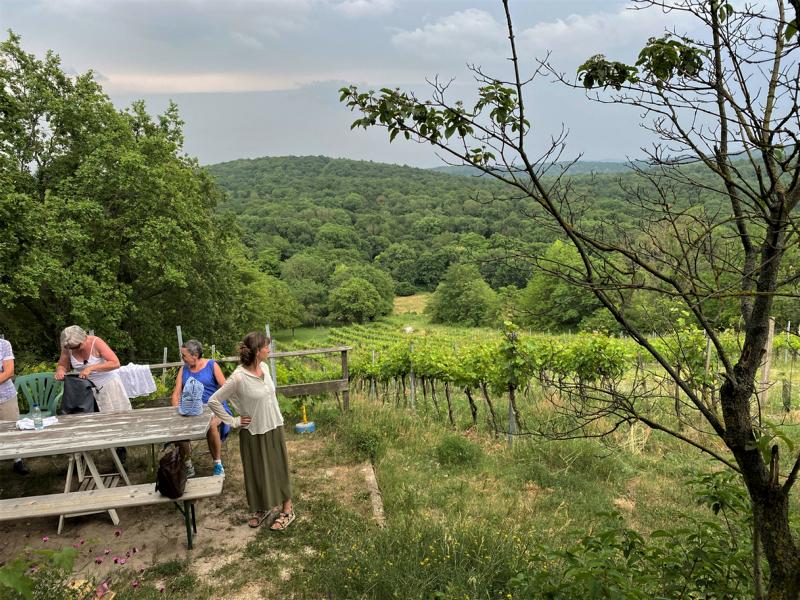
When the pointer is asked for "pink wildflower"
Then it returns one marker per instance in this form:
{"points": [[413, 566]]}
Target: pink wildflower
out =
{"points": [[98, 560], [45, 539], [135, 583]]}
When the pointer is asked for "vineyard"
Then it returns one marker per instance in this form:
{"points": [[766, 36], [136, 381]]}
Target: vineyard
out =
{"points": [[450, 373]]}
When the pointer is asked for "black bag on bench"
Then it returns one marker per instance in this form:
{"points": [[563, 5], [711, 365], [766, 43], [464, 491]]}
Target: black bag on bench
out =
{"points": [[79, 396], [171, 475]]}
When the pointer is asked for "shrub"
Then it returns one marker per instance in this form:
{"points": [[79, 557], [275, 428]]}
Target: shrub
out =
{"points": [[363, 439], [455, 450], [405, 289]]}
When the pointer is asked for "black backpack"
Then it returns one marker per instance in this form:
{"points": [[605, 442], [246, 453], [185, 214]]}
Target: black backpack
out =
{"points": [[171, 475], [79, 396]]}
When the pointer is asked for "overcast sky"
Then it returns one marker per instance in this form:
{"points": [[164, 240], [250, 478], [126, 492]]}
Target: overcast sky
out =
{"points": [[260, 77]]}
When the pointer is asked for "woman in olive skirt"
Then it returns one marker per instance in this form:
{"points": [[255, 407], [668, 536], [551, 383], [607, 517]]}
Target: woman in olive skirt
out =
{"points": [[261, 442]]}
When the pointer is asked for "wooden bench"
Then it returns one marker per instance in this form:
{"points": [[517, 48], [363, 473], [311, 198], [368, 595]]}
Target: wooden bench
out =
{"points": [[75, 503]]}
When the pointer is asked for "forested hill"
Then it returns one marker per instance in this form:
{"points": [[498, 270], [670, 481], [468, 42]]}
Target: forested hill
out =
{"points": [[582, 167], [303, 217]]}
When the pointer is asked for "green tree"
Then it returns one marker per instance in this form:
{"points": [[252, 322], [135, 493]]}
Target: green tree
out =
{"points": [[355, 300], [549, 302], [726, 99], [380, 280], [463, 298], [106, 222]]}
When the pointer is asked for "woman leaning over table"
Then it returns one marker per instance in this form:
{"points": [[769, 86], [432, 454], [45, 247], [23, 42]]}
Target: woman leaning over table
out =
{"points": [[251, 392], [93, 359]]}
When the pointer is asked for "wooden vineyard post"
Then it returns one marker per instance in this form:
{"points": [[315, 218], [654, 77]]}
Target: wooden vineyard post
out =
{"points": [[273, 372], [180, 338], [346, 377], [164, 370], [767, 364]]}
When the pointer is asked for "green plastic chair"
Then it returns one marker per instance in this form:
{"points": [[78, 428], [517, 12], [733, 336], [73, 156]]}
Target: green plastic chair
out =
{"points": [[42, 389]]}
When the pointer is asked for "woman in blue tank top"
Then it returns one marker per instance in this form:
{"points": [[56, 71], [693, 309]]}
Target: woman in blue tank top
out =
{"points": [[207, 372]]}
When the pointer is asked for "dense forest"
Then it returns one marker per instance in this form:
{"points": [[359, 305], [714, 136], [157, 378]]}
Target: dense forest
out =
{"points": [[306, 218]]}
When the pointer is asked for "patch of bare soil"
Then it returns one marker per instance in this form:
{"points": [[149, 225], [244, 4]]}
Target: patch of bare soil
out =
{"points": [[156, 534]]}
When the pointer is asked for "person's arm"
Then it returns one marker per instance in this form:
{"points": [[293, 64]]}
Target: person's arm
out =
{"points": [[226, 392], [105, 351], [62, 366], [8, 370], [176, 393], [218, 376]]}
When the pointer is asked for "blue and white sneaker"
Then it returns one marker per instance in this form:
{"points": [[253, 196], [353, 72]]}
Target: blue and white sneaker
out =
{"points": [[219, 470]]}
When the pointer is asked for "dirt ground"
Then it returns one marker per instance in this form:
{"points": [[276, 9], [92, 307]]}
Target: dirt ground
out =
{"points": [[151, 535]]}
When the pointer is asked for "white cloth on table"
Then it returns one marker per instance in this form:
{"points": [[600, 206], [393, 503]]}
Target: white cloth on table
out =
{"points": [[28, 423], [137, 380]]}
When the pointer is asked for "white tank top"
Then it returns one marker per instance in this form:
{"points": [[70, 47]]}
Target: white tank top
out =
{"points": [[99, 378]]}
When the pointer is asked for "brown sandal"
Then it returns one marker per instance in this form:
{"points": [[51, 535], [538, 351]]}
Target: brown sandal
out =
{"points": [[258, 518], [283, 521]]}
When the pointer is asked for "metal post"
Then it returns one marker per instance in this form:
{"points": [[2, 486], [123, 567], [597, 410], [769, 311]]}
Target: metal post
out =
{"points": [[346, 377], [213, 350], [411, 374], [272, 357], [164, 370], [788, 342], [180, 339], [372, 390], [767, 364], [512, 425]]}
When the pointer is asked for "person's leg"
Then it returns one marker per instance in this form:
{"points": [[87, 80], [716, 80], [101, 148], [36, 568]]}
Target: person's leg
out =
{"points": [[9, 411], [215, 446], [214, 441]]}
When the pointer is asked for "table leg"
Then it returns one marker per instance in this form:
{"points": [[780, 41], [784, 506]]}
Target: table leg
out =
{"points": [[67, 488], [80, 467], [120, 468], [98, 481]]}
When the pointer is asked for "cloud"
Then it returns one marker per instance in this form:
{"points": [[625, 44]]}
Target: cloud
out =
{"points": [[178, 83], [465, 33], [583, 35], [247, 41], [363, 8]]}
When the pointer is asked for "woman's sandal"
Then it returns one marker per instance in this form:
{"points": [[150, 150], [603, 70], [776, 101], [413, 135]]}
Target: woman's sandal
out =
{"points": [[258, 518], [283, 521]]}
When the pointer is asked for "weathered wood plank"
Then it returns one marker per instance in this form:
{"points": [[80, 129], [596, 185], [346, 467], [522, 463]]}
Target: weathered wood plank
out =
{"points": [[96, 431], [309, 389], [101, 499]]}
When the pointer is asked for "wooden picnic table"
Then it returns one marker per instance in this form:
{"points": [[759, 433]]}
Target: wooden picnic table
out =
{"points": [[78, 435], [101, 431]]}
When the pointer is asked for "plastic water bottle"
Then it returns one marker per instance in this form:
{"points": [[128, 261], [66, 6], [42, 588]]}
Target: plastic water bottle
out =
{"points": [[37, 417]]}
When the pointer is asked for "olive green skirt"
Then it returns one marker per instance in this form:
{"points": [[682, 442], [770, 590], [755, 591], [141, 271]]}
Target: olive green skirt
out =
{"points": [[266, 469]]}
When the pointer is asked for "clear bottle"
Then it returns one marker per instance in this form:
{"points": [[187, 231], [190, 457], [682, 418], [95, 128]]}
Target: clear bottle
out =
{"points": [[36, 413]]}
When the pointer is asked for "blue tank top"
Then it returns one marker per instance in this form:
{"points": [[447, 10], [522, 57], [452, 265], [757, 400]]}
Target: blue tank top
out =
{"points": [[204, 376]]}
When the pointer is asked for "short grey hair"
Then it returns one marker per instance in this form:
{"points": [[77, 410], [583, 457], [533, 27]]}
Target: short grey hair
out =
{"points": [[194, 347], [72, 336]]}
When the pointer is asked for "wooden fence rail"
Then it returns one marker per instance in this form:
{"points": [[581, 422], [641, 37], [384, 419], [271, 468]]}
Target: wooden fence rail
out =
{"points": [[299, 389]]}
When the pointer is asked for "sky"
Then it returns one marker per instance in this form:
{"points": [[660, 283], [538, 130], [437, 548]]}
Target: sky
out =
{"points": [[260, 77]]}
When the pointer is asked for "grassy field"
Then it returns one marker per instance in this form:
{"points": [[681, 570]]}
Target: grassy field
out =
{"points": [[466, 517]]}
